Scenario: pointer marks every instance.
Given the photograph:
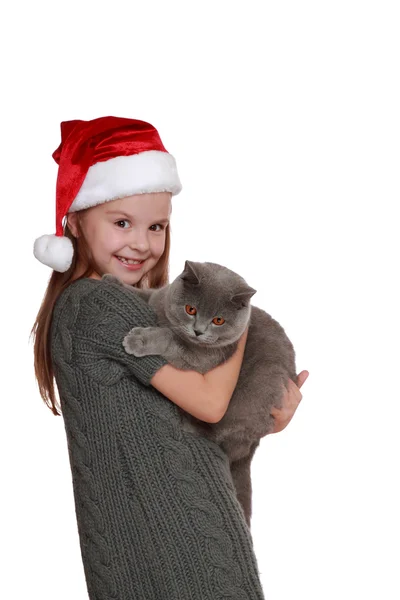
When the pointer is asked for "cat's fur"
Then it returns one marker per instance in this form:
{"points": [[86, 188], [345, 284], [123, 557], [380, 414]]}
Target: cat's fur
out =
{"points": [[269, 358]]}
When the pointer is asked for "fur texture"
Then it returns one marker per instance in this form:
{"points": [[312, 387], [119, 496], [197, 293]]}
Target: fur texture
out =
{"points": [[201, 316], [54, 251], [149, 171]]}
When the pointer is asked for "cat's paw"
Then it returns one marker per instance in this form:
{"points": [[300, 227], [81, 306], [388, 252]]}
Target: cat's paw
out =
{"points": [[111, 279], [134, 342]]}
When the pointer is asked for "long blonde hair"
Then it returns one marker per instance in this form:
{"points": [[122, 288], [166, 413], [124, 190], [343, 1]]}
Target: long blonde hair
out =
{"points": [[44, 373]]}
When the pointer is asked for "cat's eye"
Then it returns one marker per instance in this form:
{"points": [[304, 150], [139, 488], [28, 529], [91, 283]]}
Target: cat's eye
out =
{"points": [[190, 309], [218, 321]]}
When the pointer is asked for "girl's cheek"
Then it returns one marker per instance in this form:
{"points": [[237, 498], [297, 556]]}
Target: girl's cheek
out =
{"points": [[114, 237], [161, 247]]}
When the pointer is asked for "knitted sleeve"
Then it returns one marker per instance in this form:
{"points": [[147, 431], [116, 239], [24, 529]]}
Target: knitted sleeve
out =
{"points": [[107, 313]]}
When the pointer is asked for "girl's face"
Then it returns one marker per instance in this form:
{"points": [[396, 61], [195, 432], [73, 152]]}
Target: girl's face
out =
{"points": [[125, 229]]}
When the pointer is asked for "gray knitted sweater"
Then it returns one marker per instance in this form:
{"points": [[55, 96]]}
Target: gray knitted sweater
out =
{"points": [[156, 509]]}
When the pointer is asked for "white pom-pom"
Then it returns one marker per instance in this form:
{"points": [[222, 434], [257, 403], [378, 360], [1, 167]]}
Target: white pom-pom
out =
{"points": [[54, 251]]}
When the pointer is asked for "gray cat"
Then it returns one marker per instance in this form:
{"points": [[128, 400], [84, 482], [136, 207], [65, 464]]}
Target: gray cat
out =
{"points": [[201, 315]]}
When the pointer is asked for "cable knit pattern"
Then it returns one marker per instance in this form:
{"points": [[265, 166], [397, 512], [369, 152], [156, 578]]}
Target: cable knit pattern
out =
{"points": [[157, 513]]}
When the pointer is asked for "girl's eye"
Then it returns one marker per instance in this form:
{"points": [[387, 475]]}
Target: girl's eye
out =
{"points": [[126, 221], [122, 221]]}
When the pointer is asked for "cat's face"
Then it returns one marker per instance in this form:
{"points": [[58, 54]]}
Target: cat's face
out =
{"points": [[209, 303]]}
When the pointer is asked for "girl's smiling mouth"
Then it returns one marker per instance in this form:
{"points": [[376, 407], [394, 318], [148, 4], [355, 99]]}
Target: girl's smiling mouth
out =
{"points": [[130, 264]]}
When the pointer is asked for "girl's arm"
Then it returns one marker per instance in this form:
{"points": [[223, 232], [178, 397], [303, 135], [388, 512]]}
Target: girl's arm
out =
{"points": [[107, 312], [207, 396]]}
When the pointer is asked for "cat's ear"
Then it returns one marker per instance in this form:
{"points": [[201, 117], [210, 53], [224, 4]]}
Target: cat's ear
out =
{"points": [[189, 273], [242, 298]]}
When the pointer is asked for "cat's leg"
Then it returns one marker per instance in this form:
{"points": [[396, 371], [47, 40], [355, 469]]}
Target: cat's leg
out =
{"points": [[241, 475], [143, 341]]}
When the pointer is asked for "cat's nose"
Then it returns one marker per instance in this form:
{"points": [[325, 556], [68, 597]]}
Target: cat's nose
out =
{"points": [[198, 332]]}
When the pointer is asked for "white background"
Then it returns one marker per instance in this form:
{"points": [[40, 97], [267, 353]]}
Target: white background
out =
{"points": [[284, 120]]}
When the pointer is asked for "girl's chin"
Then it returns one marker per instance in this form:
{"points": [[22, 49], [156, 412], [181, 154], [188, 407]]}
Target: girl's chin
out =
{"points": [[127, 275]]}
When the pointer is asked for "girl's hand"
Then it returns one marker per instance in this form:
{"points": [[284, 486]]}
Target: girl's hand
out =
{"points": [[291, 400]]}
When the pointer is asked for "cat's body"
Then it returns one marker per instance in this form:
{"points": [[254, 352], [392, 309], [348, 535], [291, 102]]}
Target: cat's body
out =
{"points": [[268, 362]]}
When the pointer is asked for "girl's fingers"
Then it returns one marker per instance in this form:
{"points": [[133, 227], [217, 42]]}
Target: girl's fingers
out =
{"points": [[301, 377], [291, 400], [295, 394]]}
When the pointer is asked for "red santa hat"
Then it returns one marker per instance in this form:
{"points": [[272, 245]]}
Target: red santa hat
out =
{"points": [[99, 161]]}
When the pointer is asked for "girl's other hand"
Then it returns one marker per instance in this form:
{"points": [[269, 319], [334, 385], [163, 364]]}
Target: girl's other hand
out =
{"points": [[291, 400]]}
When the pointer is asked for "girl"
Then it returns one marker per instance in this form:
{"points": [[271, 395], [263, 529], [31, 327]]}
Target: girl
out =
{"points": [[156, 509]]}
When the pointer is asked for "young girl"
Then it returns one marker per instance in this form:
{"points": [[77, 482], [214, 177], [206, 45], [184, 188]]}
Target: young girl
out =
{"points": [[157, 514]]}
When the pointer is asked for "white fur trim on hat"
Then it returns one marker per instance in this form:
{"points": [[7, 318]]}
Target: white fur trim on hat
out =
{"points": [[54, 251], [147, 172]]}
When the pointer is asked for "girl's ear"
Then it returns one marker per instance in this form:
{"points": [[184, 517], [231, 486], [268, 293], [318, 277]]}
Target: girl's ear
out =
{"points": [[72, 220]]}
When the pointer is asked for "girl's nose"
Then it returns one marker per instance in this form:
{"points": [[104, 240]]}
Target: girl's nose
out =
{"points": [[139, 241]]}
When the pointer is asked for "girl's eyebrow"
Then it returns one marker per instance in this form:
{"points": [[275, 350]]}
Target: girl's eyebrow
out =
{"points": [[121, 212]]}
